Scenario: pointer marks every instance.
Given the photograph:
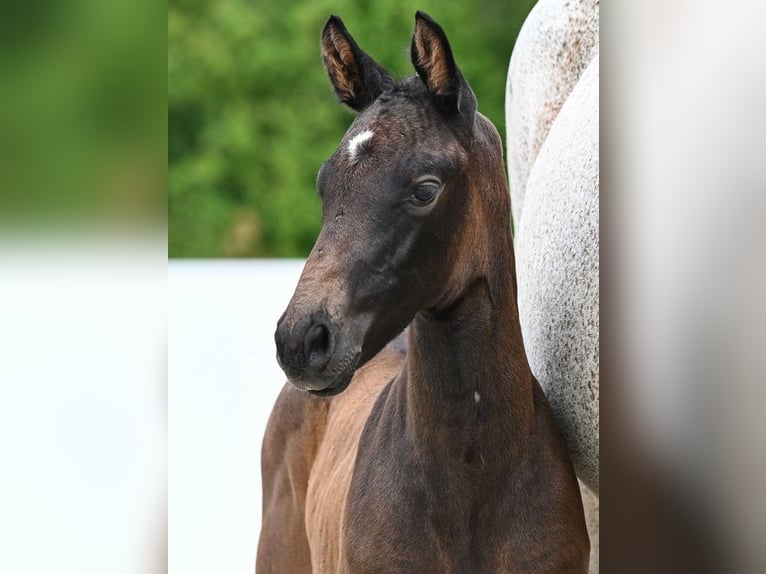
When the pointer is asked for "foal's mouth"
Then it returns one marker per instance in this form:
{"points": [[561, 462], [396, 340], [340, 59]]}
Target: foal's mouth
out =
{"points": [[342, 373]]}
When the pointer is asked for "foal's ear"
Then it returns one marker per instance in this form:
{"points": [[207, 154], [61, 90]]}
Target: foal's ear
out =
{"points": [[434, 63], [355, 76]]}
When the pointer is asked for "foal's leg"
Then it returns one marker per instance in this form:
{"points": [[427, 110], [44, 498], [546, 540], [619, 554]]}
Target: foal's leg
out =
{"points": [[289, 447]]}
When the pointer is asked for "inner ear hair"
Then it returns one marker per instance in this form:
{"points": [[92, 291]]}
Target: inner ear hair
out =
{"points": [[432, 56], [431, 64], [340, 62], [356, 78]]}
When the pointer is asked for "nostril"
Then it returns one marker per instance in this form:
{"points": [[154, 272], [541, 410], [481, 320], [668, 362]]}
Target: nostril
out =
{"points": [[317, 346]]}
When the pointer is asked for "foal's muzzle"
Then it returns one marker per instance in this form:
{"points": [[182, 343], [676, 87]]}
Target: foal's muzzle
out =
{"points": [[313, 356]]}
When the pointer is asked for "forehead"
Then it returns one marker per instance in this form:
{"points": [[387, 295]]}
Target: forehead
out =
{"points": [[394, 124]]}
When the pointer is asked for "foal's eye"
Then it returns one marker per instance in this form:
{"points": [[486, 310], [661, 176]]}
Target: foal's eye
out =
{"points": [[425, 193]]}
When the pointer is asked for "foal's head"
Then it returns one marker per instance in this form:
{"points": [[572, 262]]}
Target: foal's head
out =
{"points": [[413, 198]]}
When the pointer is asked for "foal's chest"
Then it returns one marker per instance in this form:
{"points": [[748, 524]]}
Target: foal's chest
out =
{"points": [[403, 515], [409, 529]]}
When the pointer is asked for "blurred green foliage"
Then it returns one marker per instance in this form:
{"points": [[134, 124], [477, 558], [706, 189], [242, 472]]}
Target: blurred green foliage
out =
{"points": [[251, 115], [82, 113]]}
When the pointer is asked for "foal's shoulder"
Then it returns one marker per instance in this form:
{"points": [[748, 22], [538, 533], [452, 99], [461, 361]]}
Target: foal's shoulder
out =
{"points": [[296, 423], [299, 419]]}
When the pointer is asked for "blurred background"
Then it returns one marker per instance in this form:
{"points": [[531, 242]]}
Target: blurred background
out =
{"points": [[83, 279], [82, 115], [131, 130], [251, 114]]}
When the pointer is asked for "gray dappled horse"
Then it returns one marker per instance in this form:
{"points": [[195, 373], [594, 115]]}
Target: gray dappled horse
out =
{"points": [[553, 168]]}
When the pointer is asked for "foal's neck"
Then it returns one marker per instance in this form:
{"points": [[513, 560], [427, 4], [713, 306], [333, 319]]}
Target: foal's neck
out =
{"points": [[468, 380]]}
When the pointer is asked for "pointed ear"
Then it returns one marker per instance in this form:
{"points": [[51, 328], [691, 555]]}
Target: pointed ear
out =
{"points": [[355, 76], [434, 63]]}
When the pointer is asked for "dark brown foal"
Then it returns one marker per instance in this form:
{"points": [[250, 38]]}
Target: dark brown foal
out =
{"points": [[444, 456]]}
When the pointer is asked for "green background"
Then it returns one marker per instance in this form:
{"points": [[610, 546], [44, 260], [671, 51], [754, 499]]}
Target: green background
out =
{"points": [[83, 105], [251, 114]]}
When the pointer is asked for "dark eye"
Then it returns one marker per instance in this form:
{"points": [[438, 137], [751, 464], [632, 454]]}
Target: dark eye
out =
{"points": [[425, 193]]}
